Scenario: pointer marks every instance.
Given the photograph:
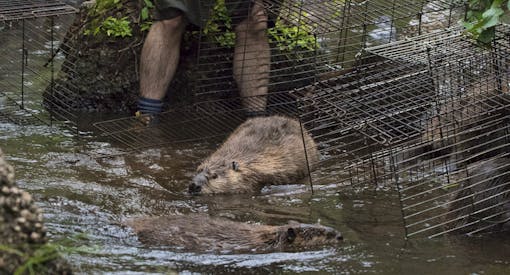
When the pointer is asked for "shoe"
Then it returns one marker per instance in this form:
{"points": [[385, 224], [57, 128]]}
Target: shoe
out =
{"points": [[141, 123], [146, 120]]}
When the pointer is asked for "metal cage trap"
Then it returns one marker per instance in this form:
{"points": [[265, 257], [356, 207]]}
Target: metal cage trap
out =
{"points": [[424, 110], [31, 33], [429, 115], [450, 167], [324, 40]]}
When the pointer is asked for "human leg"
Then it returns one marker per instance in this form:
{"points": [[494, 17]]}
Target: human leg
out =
{"points": [[159, 60], [252, 58]]}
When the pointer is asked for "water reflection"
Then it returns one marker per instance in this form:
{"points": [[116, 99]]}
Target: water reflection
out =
{"points": [[94, 196]]}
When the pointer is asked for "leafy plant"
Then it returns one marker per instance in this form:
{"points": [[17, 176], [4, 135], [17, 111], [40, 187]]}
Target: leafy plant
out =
{"points": [[116, 27], [34, 263], [287, 38], [483, 16], [112, 26], [103, 5], [219, 26], [145, 15]]}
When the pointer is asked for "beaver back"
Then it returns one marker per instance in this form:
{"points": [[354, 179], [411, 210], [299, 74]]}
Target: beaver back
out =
{"points": [[199, 232], [263, 150]]}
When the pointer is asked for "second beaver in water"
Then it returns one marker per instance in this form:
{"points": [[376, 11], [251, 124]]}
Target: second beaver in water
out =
{"points": [[262, 150], [482, 202], [199, 232]]}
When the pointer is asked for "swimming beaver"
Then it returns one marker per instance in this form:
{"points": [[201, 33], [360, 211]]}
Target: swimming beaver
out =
{"points": [[199, 232], [483, 200], [470, 128], [262, 150]]}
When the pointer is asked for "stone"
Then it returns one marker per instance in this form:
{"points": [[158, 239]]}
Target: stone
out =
{"points": [[21, 226]]}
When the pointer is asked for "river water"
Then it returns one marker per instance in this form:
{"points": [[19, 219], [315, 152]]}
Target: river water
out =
{"points": [[87, 199], [87, 191]]}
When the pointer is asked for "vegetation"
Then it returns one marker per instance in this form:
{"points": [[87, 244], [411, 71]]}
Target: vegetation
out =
{"points": [[101, 24], [286, 37], [219, 27], [145, 15], [36, 261], [483, 16]]}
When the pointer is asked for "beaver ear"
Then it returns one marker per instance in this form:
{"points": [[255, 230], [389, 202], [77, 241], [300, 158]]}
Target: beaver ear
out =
{"points": [[291, 234], [235, 166]]}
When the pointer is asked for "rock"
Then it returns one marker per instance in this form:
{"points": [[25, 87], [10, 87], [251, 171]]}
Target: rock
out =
{"points": [[21, 226]]}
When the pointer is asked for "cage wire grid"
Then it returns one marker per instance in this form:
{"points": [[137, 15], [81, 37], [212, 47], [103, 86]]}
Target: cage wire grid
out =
{"points": [[31, 32], [452, 175], [338, 29], [426, 111], [290, 69], [324, 77]]}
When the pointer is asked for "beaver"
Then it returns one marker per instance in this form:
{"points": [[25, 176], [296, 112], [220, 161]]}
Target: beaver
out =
{"points": [[482, 202], [200, 232], [469, 129], [262, 150]]}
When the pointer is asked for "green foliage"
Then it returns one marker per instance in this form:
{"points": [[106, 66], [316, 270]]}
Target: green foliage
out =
{"points": [[483, 16], [287, 38], [219, 26], [102, 5], [34, 263], [116, 27], [112, 26], [145, 15]]}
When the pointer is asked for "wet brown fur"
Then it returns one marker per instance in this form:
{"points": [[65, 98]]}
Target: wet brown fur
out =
{"points": [[269, 150], [485, 194], [462, 125], [199, 232]]}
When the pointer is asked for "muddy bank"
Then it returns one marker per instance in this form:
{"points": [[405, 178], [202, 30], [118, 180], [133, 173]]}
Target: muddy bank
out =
{"points": [[23, 244], [100, 72]]}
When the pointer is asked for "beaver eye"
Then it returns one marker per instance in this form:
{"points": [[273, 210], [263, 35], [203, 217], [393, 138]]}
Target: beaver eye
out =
{"points": [[235, 166], [214, 176], [291, 234]]}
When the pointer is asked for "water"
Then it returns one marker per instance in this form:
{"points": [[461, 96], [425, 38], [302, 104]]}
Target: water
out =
{"points": [[88, 199]]}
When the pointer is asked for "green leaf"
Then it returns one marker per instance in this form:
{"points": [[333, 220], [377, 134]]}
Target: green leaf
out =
{"points": [[148, 4], [144, 13], [493, 12], [486, 36], [145, 26], [491, 17]]}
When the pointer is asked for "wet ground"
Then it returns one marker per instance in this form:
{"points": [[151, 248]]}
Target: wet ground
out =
{"points": [[87, 199]]}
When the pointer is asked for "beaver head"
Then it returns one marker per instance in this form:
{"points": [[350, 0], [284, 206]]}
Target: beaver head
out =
{"points": [[298, 235], [217, 178]]}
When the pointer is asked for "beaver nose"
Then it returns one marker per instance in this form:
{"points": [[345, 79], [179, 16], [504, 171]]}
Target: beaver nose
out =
{"points": [[194, 189], [196, 186]]}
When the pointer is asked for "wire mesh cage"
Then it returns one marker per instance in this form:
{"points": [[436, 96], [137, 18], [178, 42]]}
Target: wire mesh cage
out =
{"points": [[31, 32], [386, 99], [451, 172], [309, 41]]}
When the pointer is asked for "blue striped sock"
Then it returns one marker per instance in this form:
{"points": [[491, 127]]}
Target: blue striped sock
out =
{"points": [[149, 106]]}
